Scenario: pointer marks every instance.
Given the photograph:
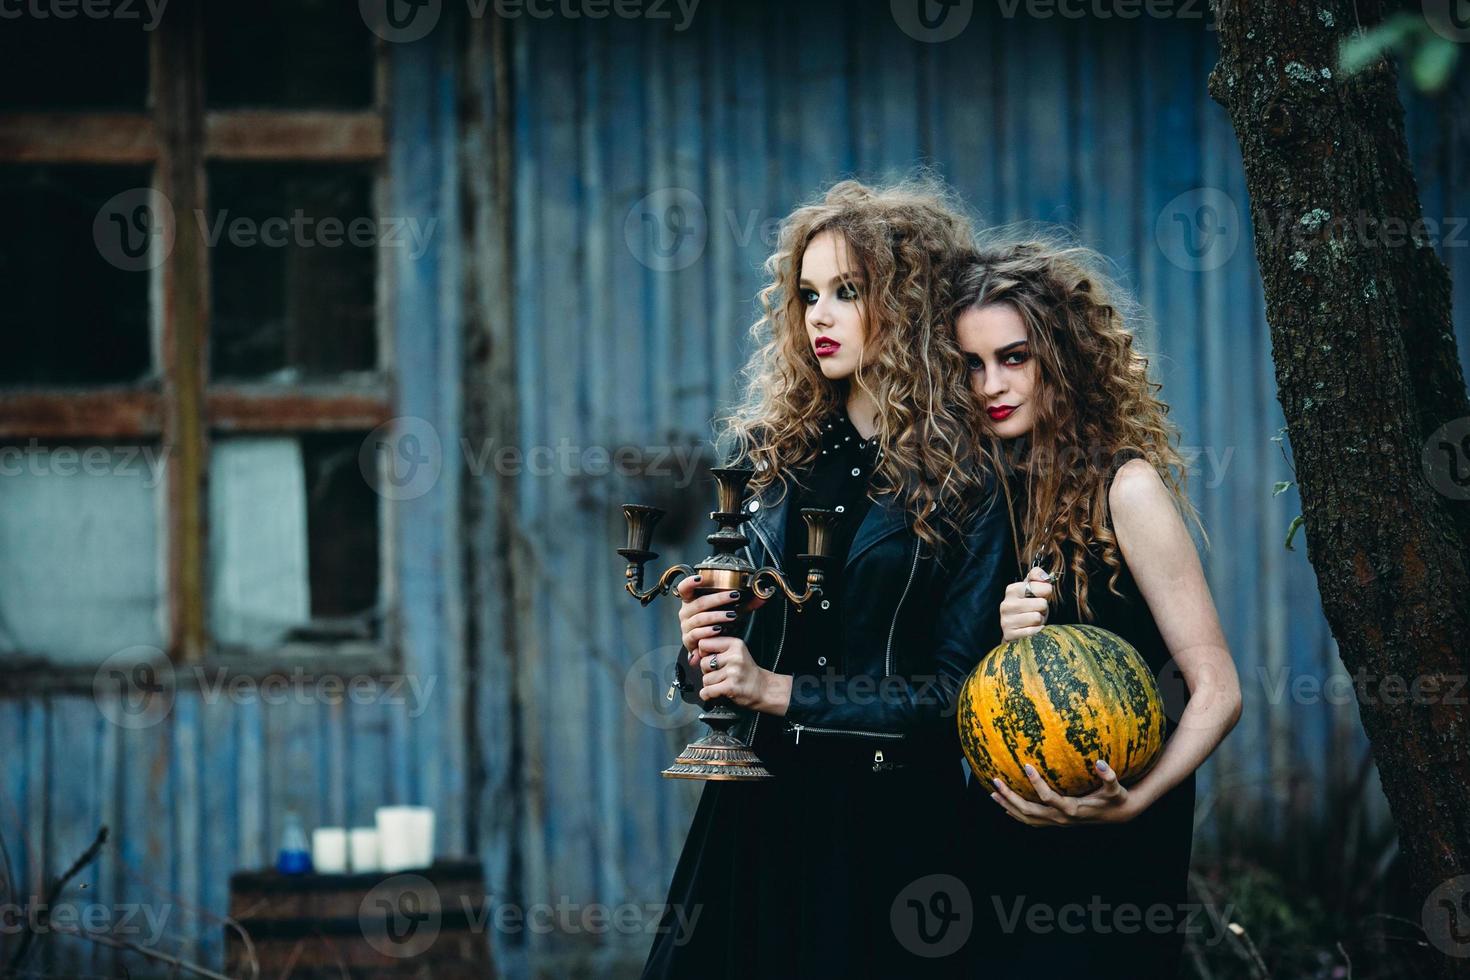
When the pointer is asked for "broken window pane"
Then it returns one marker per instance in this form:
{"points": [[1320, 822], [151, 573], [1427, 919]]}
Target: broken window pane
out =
{"points": [[75, 263], [298, 54], [257, 541], [293, 541], [292, 249], [80, 546]]}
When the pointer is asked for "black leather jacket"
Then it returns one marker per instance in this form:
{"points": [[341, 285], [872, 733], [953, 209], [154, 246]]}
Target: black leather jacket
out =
{"points": [[915, 625]]}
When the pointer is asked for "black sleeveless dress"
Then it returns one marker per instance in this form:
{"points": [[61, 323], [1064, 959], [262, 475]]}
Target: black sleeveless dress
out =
{"points": [[795, 877], [1098, 901]]}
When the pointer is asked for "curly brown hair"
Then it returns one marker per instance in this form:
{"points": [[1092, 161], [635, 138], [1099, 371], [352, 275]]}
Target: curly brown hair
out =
{"points": [[1095, 405], [903, 239]]}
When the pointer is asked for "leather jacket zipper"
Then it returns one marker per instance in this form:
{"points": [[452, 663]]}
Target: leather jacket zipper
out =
{"points": [[770, 553], [780, 644], [798, 729], [880, 766], [888, 655]]}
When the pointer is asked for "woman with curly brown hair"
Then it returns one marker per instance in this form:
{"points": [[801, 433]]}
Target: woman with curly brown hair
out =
{"points": [[1090, 886], [847, 863]]}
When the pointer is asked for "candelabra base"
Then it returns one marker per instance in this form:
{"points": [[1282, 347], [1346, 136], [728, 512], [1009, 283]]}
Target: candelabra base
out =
{"points": [[717, 756]]}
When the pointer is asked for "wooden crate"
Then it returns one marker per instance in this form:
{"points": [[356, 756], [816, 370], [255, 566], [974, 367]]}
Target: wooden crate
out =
{"points": [[432, 922]]}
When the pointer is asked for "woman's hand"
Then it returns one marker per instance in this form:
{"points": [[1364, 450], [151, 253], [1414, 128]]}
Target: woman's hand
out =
{"points": [[704, 617], [729, 672], [1111, 803], [1020, 616]]}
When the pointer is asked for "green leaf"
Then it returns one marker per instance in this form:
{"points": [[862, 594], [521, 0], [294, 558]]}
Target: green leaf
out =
{"points": [[1434, 63], [1362, 49], [1296, 525], [1281, 487]]}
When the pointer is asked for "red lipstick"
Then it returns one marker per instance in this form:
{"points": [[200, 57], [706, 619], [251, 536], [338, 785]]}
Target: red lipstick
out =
{"points": [[999, 413], [825, 346]]}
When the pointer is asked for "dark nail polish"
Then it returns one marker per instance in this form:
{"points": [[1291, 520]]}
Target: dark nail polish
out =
{"points": [[717, 629], [734, 595], [730, 614]]}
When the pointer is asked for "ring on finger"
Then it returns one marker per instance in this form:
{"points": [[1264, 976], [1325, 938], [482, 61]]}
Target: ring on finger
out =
{"points": [[714, 661], [1029, 593]]}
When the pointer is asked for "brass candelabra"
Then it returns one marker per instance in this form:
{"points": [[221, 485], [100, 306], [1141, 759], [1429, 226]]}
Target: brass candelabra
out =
{"points": [[719, 755]]}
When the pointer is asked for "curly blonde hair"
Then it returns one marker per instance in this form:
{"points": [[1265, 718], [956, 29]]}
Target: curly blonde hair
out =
{"points": [[903, 240], [1095, 405]]}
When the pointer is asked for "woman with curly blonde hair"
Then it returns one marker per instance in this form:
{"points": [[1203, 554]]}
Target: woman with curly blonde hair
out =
{"points": [[847, 863], [1096, 489], [902, 377]]}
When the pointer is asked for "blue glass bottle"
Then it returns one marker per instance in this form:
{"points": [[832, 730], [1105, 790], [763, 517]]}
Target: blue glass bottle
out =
{"points": [[295, 855]]}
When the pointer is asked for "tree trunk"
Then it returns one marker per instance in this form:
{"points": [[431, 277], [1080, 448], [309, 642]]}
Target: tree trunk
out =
{"points": [[1367, 371]]}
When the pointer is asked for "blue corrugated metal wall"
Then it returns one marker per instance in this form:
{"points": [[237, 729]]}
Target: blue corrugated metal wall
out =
{"points": [[1099, 125]]}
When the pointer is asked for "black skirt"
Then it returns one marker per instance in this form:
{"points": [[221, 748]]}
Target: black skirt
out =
{"points": [[1093, 902], [828, 870]]}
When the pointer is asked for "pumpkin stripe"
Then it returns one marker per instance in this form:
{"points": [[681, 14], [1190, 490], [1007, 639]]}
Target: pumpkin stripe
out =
{"points": [[1065, 692]]}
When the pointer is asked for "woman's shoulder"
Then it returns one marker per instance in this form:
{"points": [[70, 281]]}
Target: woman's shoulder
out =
{"points": [[1136, 492], [1146, 517]]}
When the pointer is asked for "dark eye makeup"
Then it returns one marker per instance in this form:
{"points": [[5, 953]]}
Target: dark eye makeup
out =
{"points": [[848, 292], [1013, 358]]}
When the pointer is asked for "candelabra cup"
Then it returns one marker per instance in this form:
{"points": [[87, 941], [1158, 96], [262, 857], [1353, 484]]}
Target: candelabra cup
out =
{"points": [[719, 755]]}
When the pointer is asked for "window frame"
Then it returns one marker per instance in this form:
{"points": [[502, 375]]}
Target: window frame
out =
{"points": [[178, 406]]}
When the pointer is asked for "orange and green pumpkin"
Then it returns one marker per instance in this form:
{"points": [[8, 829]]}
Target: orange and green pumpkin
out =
{"points": [[1060, 699]]}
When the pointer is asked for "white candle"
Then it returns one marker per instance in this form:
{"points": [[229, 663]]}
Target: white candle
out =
{"points": [[405, 837], [362, 845], [329, 850]]}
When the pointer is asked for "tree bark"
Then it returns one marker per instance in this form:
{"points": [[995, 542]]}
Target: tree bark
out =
{"points": [[1366, 370]]}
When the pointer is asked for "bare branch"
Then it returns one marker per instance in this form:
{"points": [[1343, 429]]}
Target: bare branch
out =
{"points": [[18, 958]]}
